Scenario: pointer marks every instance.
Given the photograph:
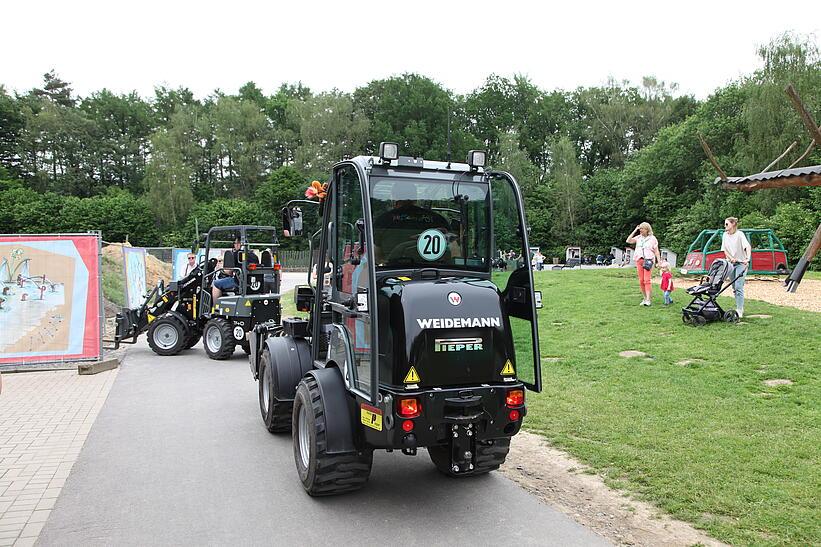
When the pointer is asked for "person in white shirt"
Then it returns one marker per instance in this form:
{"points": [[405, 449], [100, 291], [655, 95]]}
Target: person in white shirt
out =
{"points": [[737, 251], [190, 265], [647, 248]]}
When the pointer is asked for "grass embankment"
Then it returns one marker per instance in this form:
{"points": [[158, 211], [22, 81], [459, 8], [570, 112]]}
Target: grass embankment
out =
{"points": [[706, 441]]}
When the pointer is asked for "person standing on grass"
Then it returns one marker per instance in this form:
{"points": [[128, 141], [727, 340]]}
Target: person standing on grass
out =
{"points": [[647, 256], [666, 282], [736, 250]]}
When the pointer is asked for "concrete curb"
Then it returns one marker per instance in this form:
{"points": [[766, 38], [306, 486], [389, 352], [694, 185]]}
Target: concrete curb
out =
{"points": [[98, 366]]}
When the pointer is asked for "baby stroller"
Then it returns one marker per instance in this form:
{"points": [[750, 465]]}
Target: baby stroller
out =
{"points": [[704, 306]]}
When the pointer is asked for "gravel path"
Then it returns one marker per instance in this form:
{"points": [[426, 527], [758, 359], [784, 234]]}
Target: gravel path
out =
{"points": [[808, 296]]}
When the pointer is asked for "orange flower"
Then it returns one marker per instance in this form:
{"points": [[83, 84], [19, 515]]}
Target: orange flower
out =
{"points": [[316, 190]]}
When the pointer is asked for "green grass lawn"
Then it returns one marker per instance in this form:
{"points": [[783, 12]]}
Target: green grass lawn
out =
{"points": [[708, 442]]}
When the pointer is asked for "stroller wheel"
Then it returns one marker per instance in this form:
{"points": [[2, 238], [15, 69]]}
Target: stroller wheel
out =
{"points": [[731, 316], [686, 319], [699, 321]]}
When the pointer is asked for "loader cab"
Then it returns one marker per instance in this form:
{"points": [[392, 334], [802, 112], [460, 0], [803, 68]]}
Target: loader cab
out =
{"points": [[405, 295]]}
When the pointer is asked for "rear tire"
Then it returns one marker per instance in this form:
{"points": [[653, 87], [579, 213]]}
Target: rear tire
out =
{"points": [[490, 455], [699, 321], [246, 346], [218, 339], [167, 335], [275, 414], [322, 474]]}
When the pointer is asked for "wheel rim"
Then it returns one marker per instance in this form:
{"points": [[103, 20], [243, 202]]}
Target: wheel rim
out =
{"points": [[304, 444], [266, 391], [166, 336], [213, 338]]}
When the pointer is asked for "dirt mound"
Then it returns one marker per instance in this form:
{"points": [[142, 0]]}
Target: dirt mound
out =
{"points": [[155, 269]]}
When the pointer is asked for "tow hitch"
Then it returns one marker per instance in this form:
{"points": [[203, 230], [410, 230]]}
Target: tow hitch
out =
{"points": [[462, 448]]}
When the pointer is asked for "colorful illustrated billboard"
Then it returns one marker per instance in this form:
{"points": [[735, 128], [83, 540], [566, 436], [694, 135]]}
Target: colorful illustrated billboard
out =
{"points": [[50, 298], [134, 266]]}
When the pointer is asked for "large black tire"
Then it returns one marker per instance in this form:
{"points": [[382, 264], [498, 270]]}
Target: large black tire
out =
{"points": [[276, 414], [218, 339], [322, 474], [490, 455], [193, 339], [167, 335]]}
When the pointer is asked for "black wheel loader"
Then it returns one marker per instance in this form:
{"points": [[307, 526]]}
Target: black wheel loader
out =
{"points": [[243, 260], [413, 340]]}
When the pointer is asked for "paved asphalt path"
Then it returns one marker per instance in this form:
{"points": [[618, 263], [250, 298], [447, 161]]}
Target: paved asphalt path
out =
{"points": [[179, 455]]}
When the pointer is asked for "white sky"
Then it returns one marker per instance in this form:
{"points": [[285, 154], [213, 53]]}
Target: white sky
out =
{"points": [[129, 45]]}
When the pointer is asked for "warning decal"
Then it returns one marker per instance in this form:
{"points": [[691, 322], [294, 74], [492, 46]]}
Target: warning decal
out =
{"points": [[412, 376], [507, 370], [370, 416]]}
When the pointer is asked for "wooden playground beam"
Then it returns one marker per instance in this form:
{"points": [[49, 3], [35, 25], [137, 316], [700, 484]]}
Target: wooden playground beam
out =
{"points": [[809, 122], [781, 157], [798, 272], [785, 182], [706, 147]]}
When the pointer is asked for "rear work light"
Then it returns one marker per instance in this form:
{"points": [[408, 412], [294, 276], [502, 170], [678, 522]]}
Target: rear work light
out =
{"points": [[408, 408], [515, 397]]}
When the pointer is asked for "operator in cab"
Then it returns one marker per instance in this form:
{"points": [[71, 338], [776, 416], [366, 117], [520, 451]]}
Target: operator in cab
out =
{"points": [[396, 231]]}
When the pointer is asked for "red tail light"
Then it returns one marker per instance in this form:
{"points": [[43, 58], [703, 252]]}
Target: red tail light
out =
{"points": [[514, 416], [408, 408], [407, 426], [277, 267], [252, 267], [515, 397]]}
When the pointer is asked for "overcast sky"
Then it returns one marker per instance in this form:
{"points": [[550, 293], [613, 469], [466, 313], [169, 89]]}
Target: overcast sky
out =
{"points": [[205, 45]]}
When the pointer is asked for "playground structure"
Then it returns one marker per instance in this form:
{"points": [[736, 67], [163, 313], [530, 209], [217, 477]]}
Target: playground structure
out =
{"points": [[790, 177], [768, 256]]}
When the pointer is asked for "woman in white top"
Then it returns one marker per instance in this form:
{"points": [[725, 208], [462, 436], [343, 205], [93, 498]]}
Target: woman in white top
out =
{"points": [[647, 248], [736, 250]]}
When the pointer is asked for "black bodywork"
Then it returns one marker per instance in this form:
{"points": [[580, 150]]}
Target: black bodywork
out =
{"points": [[456, 356]]}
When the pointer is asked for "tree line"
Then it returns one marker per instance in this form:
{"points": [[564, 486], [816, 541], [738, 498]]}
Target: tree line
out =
{"points": [[593, 162]]}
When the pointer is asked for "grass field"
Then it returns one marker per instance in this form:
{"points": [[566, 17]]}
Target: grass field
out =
{"points": [[707, 441], [113, 281]]}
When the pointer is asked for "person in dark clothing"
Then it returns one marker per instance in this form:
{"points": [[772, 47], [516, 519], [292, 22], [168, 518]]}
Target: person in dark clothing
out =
{"points": [[402, 224]]}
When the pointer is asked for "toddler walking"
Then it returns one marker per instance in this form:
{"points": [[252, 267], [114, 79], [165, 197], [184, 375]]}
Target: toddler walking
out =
{"points": [[666, 282]]}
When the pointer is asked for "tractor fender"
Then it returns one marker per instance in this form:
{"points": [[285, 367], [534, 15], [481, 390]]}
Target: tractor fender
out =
{"points": [[290, 361], [339, 432]]}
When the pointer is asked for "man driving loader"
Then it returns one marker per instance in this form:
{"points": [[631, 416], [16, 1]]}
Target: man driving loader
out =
{"points": [[229, 283], [396, 230]]}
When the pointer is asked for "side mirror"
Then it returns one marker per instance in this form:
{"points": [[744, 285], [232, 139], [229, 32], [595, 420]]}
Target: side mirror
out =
{"points": [[291, 221]]}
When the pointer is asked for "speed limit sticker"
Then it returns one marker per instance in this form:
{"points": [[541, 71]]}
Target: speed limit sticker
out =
{"points": [[431, 244]]}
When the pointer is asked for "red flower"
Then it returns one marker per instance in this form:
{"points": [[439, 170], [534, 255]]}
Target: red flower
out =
{"points": [[316, 190]]}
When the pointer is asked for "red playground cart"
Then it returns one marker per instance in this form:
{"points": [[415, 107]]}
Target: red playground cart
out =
{"points": [[768, 254]]}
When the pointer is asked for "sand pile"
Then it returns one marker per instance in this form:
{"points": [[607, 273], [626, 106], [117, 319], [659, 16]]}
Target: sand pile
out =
{"points": [[155, 269]]}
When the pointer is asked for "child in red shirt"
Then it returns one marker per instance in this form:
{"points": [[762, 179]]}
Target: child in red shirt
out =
{"points": [[666, 282]]}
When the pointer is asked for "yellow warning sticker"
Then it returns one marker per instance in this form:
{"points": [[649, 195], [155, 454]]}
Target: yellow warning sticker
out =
{"points": [[370, 416], [247, 303], [412, 377], [150, 318], [403, 278], [507, 370]]}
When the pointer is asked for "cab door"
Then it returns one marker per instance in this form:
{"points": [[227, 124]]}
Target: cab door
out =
{"points": [[515, 279], [352, 280]]}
